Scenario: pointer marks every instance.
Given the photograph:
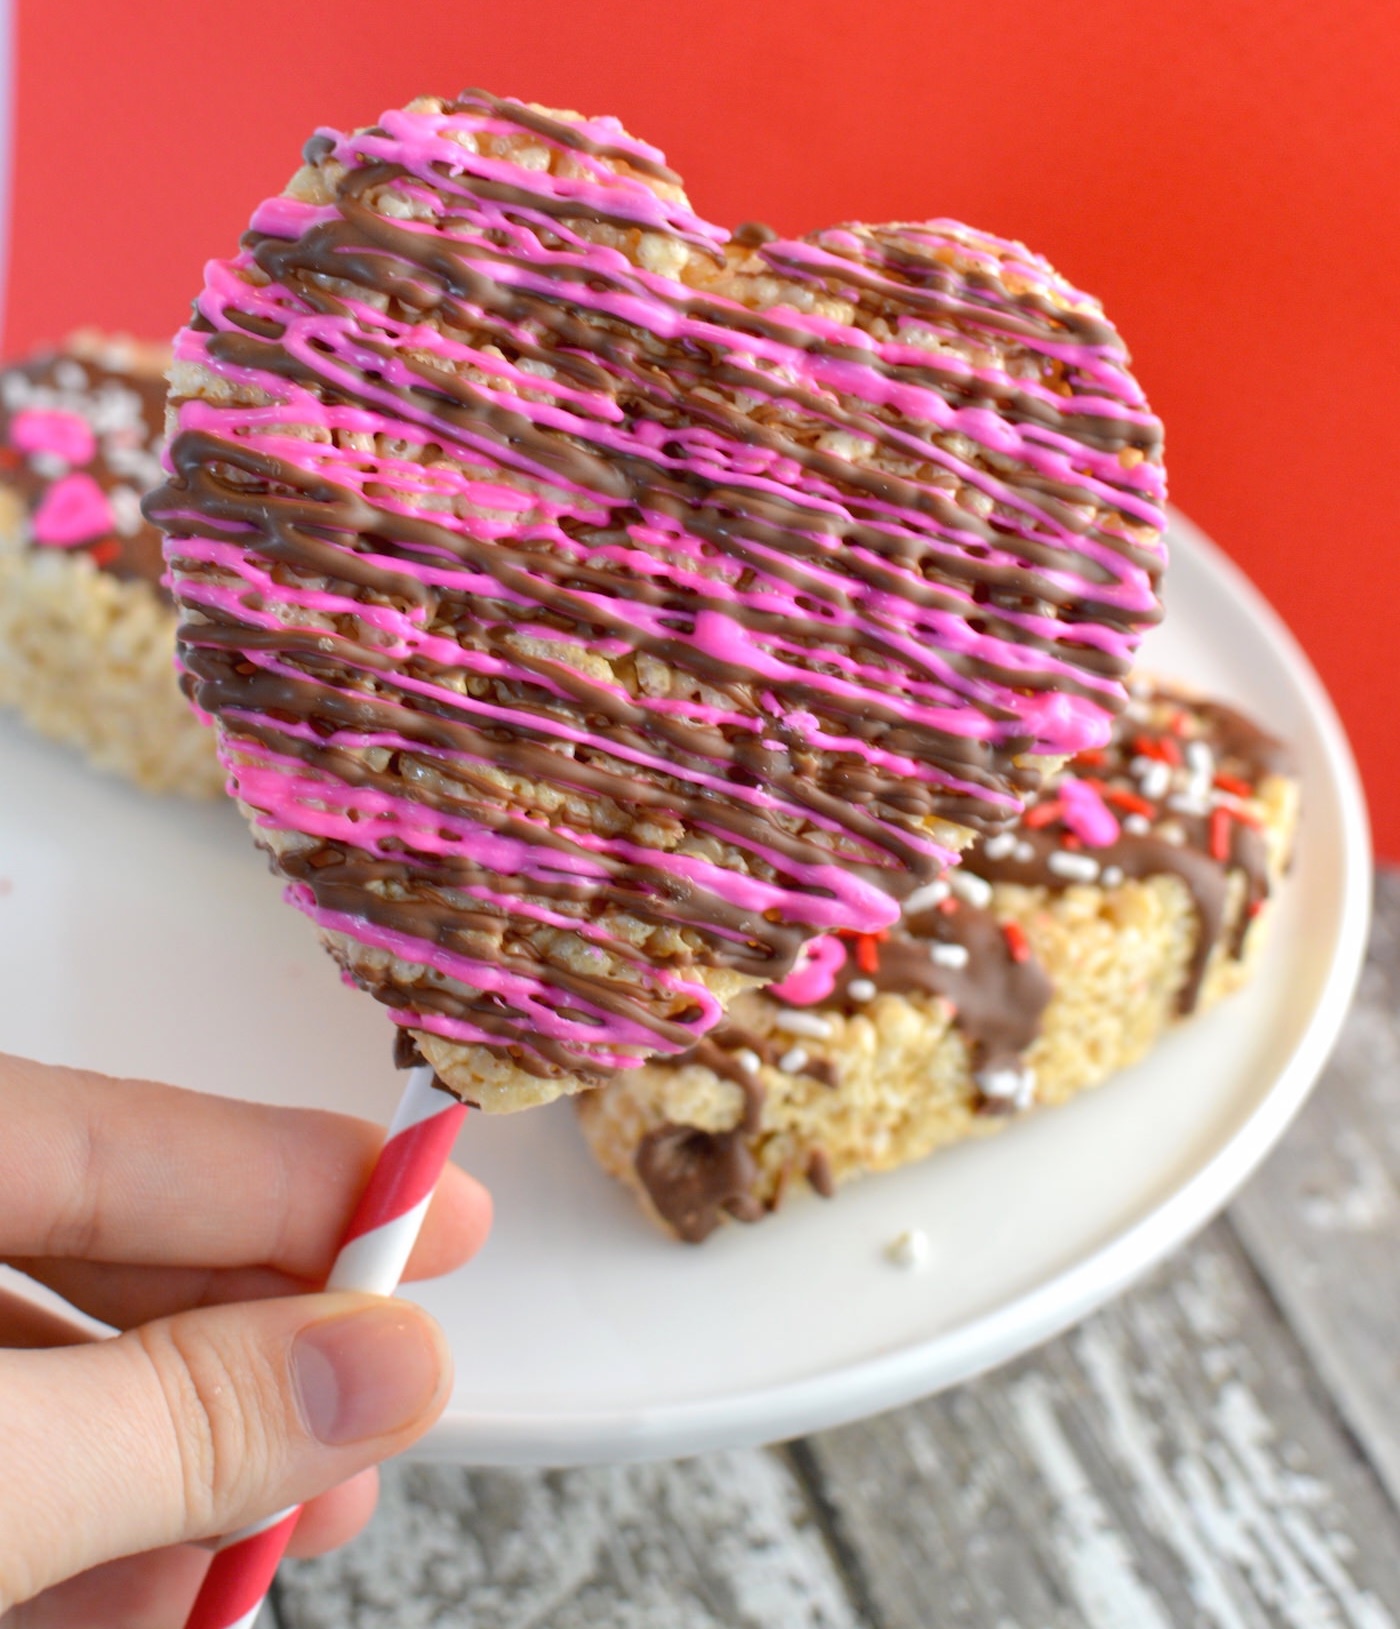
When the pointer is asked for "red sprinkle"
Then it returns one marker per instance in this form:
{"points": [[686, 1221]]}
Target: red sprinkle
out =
{"points": [[1069, 840], [1041, 814], [1091, 759], [1130, 801], [1220, 835], [1171, 750], [1016, 941], [868, 950], [947, 905], [105, 552], [1234, 785], [1148, 746]]}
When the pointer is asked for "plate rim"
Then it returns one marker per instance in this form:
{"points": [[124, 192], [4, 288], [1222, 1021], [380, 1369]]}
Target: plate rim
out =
{"points": [[782, 1410]]}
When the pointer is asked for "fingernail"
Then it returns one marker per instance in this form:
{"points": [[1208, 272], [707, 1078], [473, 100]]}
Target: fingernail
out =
{"points": [[366, 1374]]}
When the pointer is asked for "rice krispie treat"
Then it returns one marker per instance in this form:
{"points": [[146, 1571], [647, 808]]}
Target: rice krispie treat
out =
{"points": [[87, 633], [1131, 893], [594, 606]]}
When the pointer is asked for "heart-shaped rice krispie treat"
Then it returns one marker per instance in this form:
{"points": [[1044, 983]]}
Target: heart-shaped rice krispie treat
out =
{"points": [[594, 606]]}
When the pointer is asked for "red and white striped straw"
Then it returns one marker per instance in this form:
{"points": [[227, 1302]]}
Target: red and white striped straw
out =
{"points": [[372, 1257]]}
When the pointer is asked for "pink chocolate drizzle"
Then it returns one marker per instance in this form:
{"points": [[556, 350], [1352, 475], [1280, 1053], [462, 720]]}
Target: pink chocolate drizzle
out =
{"points": [[634, 466]]}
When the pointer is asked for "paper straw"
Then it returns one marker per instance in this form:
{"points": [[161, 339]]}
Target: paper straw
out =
{"points": [[372, 1257]]}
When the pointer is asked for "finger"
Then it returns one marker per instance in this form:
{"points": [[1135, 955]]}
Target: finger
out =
{"points": [[157, 1589], [202, 1423], [127, 1296], [337, 1516], [117, 1170], [138, 1592]]}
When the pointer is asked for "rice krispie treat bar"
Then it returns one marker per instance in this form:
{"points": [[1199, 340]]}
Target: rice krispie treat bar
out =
{"points": [[1132, 893], [87, 633], [593, 606]]}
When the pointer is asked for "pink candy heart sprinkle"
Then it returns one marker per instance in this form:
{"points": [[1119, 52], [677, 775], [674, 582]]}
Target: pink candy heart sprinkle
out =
{"points": [[1086, 814], [51, 430], [74, 510]]}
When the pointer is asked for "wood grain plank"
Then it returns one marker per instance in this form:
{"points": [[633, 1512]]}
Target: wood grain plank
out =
{"points": [[1321, 1221], [1169, 1464], [722, 1542], [1176, 1462]]}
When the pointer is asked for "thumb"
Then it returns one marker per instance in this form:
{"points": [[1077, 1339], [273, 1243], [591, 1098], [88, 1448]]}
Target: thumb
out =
{"points": [[198, 1424]]}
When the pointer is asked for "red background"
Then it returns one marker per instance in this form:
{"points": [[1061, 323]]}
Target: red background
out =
{"points": [[1224, 175]]}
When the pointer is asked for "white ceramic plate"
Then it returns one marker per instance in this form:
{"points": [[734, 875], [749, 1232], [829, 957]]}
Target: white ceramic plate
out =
{"points": [[146, 938]]}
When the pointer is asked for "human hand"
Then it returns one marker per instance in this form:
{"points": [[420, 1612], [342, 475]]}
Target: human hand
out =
{"points": [[197, 1226]]}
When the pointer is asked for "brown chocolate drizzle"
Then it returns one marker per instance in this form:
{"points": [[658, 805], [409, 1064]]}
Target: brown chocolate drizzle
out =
{"points": [[1000, 994], [720, 1052], [1239, 749], [406, 1053], [562, 133], [753, 234], [998, 1000], [224, 489], [1239, 742], [692, 1176], [819, 1174]]}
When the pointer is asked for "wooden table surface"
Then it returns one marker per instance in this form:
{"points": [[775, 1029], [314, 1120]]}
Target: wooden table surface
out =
{"points": [[1219, 1449]]}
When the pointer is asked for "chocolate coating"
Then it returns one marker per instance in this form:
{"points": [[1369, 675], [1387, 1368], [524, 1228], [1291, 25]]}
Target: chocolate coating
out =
{"points": [[692, 1176], [1000, 993]]}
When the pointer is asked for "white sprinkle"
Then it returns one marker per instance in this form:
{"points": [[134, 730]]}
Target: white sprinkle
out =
{"points": [[1185, 803], [1025, 852], [126, 510], [1138, 825], [49, 465], [861, 990], [811, 1024], [925, 898], [1112, 876], [794, 1061], [909, 1249], [69, 375], [1200, 761], [1153, 776], [1007, 1085], [748, 1060], [1171, 833], [971, 889], [998, 847], [1073, 867], [944, 955]]}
